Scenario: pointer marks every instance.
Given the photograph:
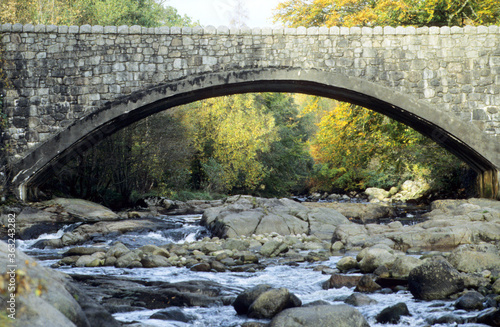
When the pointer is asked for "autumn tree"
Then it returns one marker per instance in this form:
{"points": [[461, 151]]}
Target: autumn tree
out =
{"points": [[349, 13]]}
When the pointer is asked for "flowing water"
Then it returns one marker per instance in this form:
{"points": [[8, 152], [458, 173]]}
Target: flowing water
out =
{"points": [[301, 280]]}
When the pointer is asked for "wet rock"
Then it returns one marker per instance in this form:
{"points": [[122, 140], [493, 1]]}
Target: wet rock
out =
{"points": [[174, 314], [449, 319], [217, 266], [117, 250], [490, 318], [254, 324], [271, 302], [83, 251], [273, 248], [245, 299], [392, 315], [154, 260], [347, 263], [470, 301], [367, 285], [339, 281], [56, 303], [435, 279], [202, 266], [94, 260], [132, 294], [320, 316], [129, 259], [358, 300]]}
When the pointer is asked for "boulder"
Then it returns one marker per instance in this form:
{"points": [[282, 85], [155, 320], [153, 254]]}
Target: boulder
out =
{"points": [[271, 302], [246, 215], [470, 260], [470, 301], [245, 299], [342, 315], [347, 263], [403, 265], [339, 281], [367, 285], [358, 300], [392, 314], [376, 194], [363, 212], [434, 280], [56, 303], [375, 257], [272, 248], [175, 314], [83, 210]]}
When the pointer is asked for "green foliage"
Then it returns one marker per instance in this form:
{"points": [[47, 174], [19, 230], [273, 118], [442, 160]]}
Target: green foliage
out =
{"points": [[149, 13]]}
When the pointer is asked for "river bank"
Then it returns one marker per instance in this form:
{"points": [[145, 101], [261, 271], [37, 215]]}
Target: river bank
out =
{"points": [[137, 265]]}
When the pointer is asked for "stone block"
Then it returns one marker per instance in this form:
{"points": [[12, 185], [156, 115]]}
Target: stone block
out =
{"points": [[186, 31], [28, 28], [335, 30], [324, 30], [73, 29], [62, 29], [6, 27], [210, 30], [355, 30], [124, 29], [97, 29], [301, 30], [136, 29], [344, 30], [388, 30], [312, 31], [223, 30], [17, 28], [110, 29]]}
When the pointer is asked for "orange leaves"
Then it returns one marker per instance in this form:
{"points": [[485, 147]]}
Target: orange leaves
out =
{"points": [[387, 12]]}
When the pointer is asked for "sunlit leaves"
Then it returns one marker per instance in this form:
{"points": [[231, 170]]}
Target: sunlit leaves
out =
{"points": [[229, 133], [349, 13]]}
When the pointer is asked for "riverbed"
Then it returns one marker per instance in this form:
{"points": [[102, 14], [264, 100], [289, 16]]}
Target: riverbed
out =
{"points": [[301, 279]]}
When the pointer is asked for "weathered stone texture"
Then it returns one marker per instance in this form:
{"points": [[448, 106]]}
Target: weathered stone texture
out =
{"points": [[60, 74]]}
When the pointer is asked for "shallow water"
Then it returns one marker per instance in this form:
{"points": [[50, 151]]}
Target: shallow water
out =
{"points": [[301, 280]]}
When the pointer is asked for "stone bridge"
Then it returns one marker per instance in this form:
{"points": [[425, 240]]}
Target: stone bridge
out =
{"points": [[72, 86]]}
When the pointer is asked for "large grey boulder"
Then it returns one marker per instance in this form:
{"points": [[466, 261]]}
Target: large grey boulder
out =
{"points": [[56, 302], [320, 316], [473, 259], [434, 280], [246, 215]]}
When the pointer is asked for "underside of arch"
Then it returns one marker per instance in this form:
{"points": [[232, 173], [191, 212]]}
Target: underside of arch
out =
{"points": [[466, 141]]}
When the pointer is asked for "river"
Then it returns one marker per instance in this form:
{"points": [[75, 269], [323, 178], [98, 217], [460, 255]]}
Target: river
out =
{"points": [[301, 279]]}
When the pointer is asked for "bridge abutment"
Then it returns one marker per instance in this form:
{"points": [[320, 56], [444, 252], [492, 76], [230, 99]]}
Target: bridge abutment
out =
{"points": [[488, 184]]}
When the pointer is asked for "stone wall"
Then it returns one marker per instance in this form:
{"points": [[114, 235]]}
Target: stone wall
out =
{"points": [[61, 74]]}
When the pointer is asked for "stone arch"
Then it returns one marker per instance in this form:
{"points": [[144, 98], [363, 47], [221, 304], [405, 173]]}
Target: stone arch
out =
{"points": [[464, 140]]}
